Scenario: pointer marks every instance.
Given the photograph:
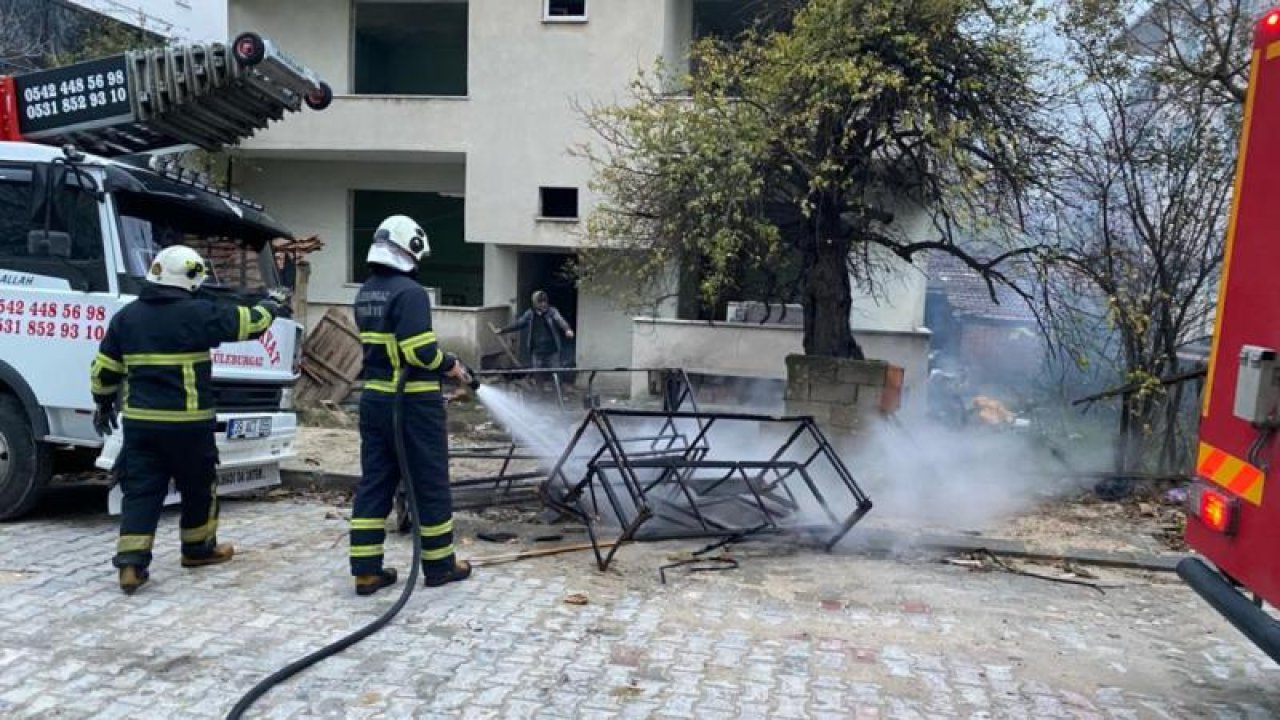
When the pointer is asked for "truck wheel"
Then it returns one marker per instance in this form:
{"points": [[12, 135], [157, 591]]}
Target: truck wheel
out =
{"points": [[321, 98], [249, 49], [25, 465]]}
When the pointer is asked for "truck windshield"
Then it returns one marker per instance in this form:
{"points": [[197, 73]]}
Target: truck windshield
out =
{"points": [[236, 266]]}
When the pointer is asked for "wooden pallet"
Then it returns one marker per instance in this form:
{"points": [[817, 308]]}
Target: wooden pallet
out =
{"points": [[331, 360]]}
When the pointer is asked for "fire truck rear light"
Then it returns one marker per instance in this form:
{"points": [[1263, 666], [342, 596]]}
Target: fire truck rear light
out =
{"points": [[1218, 510]]}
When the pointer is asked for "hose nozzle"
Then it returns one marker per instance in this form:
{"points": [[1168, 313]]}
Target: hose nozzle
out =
{"points": [[468, 378]]}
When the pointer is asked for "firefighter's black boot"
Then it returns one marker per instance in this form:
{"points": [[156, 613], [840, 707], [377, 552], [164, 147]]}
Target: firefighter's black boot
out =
{"points": [[434, 576], [222, 552], [370, 584], [133, 577]]}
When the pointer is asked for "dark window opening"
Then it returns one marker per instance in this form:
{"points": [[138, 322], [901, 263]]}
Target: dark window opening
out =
{"points": [[411, 48], [566, 8], [455, 266], [559, 203], [73, 252]]}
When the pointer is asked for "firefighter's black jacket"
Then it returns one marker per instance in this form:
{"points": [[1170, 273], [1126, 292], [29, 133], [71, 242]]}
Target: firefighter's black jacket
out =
{"points": [[394, 316], [158, 347]]}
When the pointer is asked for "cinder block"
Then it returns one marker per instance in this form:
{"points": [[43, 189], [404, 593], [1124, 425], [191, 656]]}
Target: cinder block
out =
{"points": [[863, 372], [834, 393], [821, 412], [846, 416]]}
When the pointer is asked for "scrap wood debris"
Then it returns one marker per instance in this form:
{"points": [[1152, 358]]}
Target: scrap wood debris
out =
{"points": [[987, 561]]}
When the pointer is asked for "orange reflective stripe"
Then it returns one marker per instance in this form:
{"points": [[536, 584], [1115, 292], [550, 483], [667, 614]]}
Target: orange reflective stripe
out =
{"points": [[1232, 473], [1211, 459], [1244, 479]]}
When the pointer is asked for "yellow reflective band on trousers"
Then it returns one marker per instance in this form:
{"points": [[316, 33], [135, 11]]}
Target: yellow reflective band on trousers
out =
{"points": [[444, 528], [437, 554], [134, 543], [200, 534], [368, 523], [363, 551]]}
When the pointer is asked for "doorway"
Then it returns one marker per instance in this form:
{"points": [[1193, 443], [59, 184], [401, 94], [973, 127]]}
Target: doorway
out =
{"points": [[549, 271]]}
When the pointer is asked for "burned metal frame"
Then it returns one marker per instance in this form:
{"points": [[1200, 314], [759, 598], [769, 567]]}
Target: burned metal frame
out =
{"points": [[664, 476], [677, 393]]}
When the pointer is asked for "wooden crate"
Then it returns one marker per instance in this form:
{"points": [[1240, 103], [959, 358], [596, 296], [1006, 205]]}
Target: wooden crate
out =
{"points": [[331, 360]]}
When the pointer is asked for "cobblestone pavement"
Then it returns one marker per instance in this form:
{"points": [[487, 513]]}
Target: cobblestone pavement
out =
{"points": [[788, 635]]}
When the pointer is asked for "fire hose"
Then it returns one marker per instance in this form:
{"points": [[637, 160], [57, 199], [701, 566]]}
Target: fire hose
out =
{"points": [[397, 426]]}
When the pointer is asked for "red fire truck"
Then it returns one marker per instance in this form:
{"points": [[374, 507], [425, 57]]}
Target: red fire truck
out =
{"points": [[1234, 506]]}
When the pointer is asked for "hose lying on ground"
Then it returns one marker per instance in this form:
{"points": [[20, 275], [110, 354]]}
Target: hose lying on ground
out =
{"points": [[297, 666]]}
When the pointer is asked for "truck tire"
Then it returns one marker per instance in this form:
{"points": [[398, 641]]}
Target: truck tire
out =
{"points": [[25, 465]]}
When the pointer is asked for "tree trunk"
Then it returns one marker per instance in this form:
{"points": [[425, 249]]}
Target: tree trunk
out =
{"points": [[828, 300]]}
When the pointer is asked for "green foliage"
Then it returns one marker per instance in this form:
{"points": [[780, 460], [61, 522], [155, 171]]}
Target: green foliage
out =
{"points": [[792, 150]]}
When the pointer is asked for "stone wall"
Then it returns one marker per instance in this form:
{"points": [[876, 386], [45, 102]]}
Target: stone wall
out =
{"points": [[842, 394]]}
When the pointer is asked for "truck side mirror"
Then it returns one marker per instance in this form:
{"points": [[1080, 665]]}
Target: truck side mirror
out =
{"points": [[49, 243]]}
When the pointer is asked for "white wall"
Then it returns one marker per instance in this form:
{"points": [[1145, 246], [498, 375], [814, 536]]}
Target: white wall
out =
{"points": [[897, 304], [313, 198], [525, 76], [190, 20], [316, 32], [760, 351]]}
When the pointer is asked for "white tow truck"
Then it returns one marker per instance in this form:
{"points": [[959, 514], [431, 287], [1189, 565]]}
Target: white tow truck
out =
{"points": [[86, 200]]}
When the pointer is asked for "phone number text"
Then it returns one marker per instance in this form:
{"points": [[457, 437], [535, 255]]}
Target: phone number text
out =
{"points": [[63, 321]]}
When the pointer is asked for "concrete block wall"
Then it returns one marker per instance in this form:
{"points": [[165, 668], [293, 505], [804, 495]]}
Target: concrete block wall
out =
{"points": [[841, 394]]}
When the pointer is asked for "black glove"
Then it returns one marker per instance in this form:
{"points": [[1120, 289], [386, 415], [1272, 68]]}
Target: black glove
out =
{"points": [[104, 417], [276, 309]]}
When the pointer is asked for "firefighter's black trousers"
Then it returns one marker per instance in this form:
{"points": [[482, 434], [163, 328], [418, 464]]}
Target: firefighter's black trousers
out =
{"points": [[426, 442], [153, 455]]}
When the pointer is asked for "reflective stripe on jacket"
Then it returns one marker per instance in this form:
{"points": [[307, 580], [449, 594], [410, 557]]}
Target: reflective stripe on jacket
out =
{"points": [[393, 313], [157, 350]]}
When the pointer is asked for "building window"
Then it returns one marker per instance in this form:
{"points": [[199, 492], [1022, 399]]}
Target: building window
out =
{"points": [[564, 11], [411, 48], [455, 266], [558, 203]]}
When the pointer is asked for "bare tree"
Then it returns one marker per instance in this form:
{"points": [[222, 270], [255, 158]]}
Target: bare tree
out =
{"points": [[1200, 44], [1140, 224]]}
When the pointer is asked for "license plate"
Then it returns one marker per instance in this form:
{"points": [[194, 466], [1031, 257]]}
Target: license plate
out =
{"points": [[248, 428]]}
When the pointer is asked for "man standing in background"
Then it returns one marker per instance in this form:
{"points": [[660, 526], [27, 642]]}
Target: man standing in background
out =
{"points": [[542, 340]]}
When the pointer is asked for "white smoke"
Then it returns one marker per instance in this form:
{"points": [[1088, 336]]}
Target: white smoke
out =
{"points": [[972, 478]]}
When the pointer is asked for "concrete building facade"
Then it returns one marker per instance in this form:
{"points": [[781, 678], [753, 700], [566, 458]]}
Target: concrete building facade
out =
{"points": [[462, 114], [186, 20]]}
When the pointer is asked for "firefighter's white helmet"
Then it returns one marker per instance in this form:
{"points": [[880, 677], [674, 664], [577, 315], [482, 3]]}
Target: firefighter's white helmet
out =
{"points": [[178, 266], [399, 242]]}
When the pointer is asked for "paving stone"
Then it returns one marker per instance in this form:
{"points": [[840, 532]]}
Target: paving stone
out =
{"points": [[898, 640]]}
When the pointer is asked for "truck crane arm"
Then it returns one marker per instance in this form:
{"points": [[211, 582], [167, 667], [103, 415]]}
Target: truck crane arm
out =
{"points": [[143, 101]]}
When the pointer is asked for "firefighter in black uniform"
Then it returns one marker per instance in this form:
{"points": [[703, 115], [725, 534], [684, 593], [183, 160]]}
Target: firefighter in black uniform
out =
{"points": [[394, 316], [158, 348]]}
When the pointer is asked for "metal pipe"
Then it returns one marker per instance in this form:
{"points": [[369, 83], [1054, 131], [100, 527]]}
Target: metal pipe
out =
{"points": [[1249, 619]]}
